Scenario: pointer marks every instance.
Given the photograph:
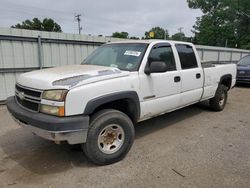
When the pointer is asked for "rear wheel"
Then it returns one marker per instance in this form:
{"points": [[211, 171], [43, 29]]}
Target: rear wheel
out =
{"points": [[110, 137], [220, 99]]}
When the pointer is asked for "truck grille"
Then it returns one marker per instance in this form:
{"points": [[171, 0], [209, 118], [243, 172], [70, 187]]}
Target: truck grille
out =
{"points": [[243, 73], [28, 98]]}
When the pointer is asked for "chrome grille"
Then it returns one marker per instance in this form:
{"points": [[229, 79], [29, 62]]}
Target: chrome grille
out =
{"points": [[28, 98]]}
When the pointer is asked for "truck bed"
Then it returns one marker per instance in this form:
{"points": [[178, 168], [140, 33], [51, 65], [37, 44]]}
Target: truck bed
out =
{"points": [[209, 64], [212, 75]]}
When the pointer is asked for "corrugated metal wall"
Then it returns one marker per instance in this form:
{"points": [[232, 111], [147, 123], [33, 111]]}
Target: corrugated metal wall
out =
{"points": [[210, 53], [25, 50]]}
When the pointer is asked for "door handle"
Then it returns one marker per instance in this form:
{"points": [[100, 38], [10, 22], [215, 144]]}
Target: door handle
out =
{"points": [[198, 75], [177, 79]]}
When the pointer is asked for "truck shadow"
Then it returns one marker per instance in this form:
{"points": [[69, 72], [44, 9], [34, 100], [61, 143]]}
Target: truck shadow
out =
{"points": [[44, 157], [169, 119]]}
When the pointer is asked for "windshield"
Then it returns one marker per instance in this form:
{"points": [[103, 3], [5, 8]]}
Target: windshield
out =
{"points": [[123, 56], [244, 61]]}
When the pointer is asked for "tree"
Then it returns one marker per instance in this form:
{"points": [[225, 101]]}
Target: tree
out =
{"points": [[159, 33], [47, 24], [135, 38], [224, 22], [123, 35], [212, 31], [179, 36]]}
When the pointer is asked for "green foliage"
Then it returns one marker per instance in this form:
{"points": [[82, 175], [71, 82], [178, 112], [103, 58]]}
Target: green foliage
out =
{"points": [[46, 24], [179, 37], [135, 38], [224, 22], [123, 35], [159, 33]]}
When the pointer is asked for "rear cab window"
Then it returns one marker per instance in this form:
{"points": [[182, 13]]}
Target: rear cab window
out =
{"points": [[187, 56]]}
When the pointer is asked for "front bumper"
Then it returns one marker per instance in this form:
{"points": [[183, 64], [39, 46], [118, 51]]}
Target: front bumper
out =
{"points": [[73, 129], [243, 80]]}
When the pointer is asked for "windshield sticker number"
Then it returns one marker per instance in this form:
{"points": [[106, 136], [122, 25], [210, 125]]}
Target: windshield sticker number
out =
{"points": [[132, 53]]}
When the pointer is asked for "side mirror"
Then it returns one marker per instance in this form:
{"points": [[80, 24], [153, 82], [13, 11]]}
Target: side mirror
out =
{"points": [[156, 67]]}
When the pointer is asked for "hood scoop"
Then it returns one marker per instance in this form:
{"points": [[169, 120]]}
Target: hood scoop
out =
{"points": [[74, 80]]}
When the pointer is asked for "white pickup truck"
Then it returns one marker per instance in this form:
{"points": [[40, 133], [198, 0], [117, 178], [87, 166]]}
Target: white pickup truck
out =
{"points": [[98, 102]]}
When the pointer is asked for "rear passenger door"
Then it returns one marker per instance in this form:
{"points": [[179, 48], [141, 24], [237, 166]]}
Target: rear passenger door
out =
{"points": [[191, 75]]}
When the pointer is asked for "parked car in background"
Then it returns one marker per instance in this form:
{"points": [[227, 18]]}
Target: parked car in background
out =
{"points": [[243, 70]]}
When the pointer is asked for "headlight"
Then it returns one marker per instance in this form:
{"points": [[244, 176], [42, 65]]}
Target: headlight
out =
{"points": [[52, 110], [55, 95]]}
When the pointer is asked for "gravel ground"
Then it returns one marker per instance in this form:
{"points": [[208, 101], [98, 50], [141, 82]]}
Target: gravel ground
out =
{"points": [[192, 147]]}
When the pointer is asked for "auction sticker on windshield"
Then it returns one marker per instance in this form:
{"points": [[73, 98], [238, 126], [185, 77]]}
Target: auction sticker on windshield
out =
{"points": [[132, 53]]}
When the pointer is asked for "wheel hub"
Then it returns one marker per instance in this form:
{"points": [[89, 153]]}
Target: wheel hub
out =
{"points": [[111, 138]]}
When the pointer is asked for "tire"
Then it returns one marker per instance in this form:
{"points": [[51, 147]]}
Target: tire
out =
{"points": [[110, 137], [219, 101]]}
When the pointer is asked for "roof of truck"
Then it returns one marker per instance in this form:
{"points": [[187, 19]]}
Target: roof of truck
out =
{"points": [[149, 41]]}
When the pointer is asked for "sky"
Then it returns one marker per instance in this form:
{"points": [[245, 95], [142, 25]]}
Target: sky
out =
{"points": [[104, 17]]}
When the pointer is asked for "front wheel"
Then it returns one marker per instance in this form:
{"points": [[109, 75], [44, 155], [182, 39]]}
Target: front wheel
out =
{"points": [[220, 99], [110, 137]]}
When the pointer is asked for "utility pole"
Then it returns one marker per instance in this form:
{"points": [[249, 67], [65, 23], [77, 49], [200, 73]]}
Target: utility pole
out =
{"points": [[165, 34], [78, 19], [180, 29]]}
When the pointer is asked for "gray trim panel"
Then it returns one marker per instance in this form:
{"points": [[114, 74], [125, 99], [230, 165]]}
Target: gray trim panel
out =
{"points": [[47, 122], [97, 102]]}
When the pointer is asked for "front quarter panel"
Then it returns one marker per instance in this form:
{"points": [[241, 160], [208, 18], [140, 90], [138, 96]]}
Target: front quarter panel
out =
{"points": [[78, 97]]}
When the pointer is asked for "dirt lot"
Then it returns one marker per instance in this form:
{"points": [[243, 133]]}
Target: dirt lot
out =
{"points": [[192, 147]]}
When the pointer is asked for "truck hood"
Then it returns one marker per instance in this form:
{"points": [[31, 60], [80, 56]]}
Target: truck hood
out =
{"points": [[67, 77]]}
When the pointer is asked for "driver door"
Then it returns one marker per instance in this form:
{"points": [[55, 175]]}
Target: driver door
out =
{"points": [[160, 91]]}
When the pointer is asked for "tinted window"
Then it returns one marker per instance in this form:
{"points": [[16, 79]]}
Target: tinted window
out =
{"points": [[187, 56], [163, 53]]}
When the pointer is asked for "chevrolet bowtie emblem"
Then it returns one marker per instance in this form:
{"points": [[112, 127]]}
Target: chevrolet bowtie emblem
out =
{"points": [[21, 95]]}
